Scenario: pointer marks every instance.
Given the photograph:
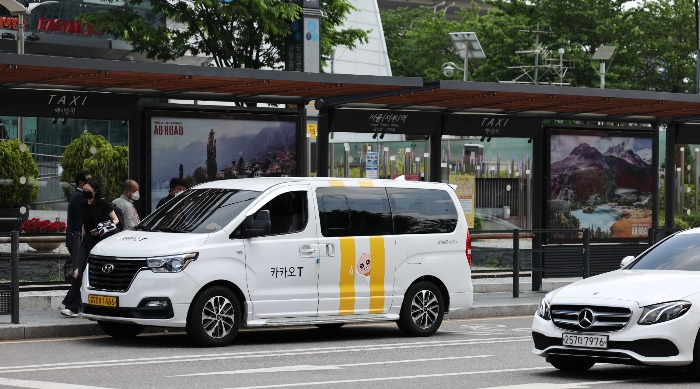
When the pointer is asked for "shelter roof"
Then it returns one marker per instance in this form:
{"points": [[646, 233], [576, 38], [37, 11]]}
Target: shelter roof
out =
{"points": [[557, 102], [186, 82]]}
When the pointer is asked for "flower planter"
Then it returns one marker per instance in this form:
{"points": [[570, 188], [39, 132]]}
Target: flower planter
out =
{"points": [[44, 246]]}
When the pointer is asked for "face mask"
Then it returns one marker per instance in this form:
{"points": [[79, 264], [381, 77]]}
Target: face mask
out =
{"points": [[88, 195], [135, 196], [177, 194]]}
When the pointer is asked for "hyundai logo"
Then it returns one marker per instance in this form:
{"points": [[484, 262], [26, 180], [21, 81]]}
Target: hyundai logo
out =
{"points": [[586, 318], [107, 268]]}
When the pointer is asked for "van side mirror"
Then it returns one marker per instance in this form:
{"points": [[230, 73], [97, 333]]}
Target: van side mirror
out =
{"points": [[258, 226], [626, 261]]}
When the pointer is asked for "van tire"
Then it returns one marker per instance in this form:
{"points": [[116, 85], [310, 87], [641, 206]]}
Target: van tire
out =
{"points": [[214, 317], [422, 310], [120, 330]]}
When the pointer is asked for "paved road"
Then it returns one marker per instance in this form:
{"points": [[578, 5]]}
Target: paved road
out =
{"points": [[475, 353]]}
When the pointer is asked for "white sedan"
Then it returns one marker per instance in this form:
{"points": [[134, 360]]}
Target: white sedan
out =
{"points": [[646, 313]]}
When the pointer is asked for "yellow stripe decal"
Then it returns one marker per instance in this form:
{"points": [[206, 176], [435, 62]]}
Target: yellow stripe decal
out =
{"points": [[347, 276], [336, 183], [366, 184], [377, 274]]}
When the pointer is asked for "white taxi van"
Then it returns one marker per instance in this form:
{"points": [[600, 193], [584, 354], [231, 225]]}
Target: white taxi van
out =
{"points": [[285, 251]]}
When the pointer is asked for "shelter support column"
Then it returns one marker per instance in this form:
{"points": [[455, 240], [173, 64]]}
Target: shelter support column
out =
{"points": [[322, 139], [669, 174], [436, 151], [538, 161]]}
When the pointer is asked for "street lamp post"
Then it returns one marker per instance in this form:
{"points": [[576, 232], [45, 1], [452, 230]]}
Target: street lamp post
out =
{"points": [[467, 45]]}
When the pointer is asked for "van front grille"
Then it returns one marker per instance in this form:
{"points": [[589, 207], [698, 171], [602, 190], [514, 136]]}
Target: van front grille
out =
{"points": [[113, 274], [590, 318]]}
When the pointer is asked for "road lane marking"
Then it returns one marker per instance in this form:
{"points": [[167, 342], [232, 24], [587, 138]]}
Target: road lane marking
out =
{"points": [[327, 367], [42, 385], [571, 385], [255, 354], [396, 378]]}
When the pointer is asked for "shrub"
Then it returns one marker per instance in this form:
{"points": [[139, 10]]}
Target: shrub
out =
{"points": [[15, 164], [108, 164]]}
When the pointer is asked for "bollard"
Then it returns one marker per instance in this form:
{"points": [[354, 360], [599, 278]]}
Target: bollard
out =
{"points": [[516, 263], [14, 276]]}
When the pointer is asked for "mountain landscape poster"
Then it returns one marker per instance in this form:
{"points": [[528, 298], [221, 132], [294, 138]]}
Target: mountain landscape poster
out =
{"points": [[205, 147], [600, 180]]}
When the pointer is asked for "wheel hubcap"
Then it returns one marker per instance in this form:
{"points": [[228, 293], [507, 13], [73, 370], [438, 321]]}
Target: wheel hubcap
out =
{"points": [[424, 309], [218, 317]]}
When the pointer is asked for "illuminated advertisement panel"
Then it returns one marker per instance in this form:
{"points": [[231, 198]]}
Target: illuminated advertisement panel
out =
{"points": [[206, 147], [602, 180]]}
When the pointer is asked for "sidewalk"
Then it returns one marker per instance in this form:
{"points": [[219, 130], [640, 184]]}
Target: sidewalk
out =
{"points": [[40, 315]]}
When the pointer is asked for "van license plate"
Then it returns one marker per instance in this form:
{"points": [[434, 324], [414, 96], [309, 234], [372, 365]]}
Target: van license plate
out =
{"points": [[592, 341], [104, 301]]}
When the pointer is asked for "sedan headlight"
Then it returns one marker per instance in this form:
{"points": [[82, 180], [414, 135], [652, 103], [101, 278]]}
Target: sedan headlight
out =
{"points": [[170, 263], [544, 311], [659, 313]]}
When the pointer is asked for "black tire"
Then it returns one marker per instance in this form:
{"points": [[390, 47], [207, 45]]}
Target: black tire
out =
{"points": [[214, 317], [329, 326], [573, 365], [120, 330], [693, 370], [422, 310]]}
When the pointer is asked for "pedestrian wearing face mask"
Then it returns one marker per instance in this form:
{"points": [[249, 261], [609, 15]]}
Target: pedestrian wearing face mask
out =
{"points": [[99, 221], [177, 186], [125, 203]]}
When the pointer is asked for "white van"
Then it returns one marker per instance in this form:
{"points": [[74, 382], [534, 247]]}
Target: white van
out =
{"points": [[285, 251]]}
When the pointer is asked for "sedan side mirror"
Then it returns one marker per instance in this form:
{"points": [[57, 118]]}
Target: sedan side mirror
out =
{"points": [[626, 261]]}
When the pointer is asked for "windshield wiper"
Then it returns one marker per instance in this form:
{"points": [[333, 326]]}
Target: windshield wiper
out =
{"points": [[169, 229]]}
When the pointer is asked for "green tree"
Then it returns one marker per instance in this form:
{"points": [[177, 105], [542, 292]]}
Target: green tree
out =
{"points": [[237, 34], [75, 155]]}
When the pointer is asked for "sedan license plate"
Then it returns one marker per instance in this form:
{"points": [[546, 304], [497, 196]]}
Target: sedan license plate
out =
{"points": [[104, 301], [591, 341]]}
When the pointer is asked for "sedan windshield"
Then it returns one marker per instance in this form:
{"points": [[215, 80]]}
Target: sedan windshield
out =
{"points": [[198, 211], [680, 252]]}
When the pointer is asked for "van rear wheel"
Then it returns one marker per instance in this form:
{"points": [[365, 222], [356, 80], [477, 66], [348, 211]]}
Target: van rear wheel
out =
{"points": [[214, 317], [120, 330], [422, 310]]}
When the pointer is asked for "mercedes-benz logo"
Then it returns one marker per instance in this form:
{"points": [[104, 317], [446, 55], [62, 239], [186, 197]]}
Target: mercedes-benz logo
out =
{"points": [[107, 268], [586, 318]]}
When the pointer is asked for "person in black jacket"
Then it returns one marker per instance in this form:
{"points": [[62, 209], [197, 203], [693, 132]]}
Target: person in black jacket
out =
{"points": [[177, 186], [3, 131], [95, 211], [75, 218]]}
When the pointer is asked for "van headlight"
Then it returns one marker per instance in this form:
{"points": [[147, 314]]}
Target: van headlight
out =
{"points": [[659, 313], [544, 310], [170, 263]]}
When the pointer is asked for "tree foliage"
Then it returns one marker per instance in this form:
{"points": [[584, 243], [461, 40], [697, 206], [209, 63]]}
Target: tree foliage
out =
{"points": [[236, 34], [655, 40], [14, 165]]}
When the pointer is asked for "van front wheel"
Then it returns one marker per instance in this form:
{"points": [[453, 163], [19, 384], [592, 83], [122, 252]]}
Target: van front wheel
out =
{"points": [[214, 317], [422, 310]]}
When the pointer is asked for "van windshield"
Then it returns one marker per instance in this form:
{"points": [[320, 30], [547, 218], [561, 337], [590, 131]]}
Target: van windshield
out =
{"points": [[198, 211]]}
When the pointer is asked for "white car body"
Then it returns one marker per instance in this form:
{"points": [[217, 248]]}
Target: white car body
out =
{"points": [[609, 299], [287, 279]]}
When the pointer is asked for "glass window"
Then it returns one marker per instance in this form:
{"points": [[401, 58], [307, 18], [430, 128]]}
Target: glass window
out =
{"points": [[422, 211], [680, 252], [287, 213], [354, 211], [198, 211]]}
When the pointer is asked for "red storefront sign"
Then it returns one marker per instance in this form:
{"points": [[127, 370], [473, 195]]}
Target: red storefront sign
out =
{"points": [[10, 23], [66, 26]]}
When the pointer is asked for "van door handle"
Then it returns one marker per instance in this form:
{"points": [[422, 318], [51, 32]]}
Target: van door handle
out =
{"points": [[330, 250], [306, 251]]}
